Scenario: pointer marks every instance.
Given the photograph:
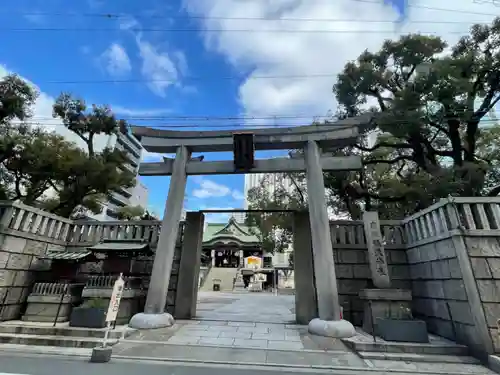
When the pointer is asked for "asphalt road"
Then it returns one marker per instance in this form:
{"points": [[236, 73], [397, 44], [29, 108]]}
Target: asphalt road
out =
{"points": [[32, 364]]}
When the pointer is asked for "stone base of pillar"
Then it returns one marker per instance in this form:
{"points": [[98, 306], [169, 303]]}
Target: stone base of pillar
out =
{"points": [[331, 328], [151, 321], [384, 304]]}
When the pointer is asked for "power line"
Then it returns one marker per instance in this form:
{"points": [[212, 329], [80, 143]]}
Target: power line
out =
{"points": [[189, 78], [319, 20], [177, 30], [211, 118], [112, 15], [233, 126]]}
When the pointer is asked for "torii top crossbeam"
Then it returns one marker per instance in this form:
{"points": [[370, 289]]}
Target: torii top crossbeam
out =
{"points": [[337, 134]]}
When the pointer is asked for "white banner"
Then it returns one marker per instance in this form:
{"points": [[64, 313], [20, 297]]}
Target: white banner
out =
{"points": [[114, 303]]}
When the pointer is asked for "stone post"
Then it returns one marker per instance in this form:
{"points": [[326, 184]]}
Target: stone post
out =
{"points": [[383, 305], [212, 255], [376, 253], [306, 306], [189, 268], [154, 315], [329, 322]]}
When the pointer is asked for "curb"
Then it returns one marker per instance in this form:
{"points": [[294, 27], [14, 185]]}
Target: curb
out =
{"points": [[303, 367], [345, 369]]}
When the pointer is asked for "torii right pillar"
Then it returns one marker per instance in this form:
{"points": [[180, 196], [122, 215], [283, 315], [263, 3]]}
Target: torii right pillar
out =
{"points": [[328, 323]]}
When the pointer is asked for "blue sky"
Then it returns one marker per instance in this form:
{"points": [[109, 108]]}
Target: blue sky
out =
{"points": [[207, 72]]}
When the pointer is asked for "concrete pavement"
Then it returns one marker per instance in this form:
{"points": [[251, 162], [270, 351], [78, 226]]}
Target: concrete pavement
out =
{"points": [[23, 364], [246, 307]]}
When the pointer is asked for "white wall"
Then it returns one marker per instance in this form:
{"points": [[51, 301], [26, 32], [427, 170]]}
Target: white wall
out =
{"points": [[140, 195]]}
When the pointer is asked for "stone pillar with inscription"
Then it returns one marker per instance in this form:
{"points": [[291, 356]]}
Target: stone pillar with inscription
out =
{"points": [[386, 307]]}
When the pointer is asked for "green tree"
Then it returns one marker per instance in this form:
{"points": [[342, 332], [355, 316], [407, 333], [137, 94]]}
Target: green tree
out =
{"points": [[81, 183], [427, 108], [274, 229], [130, 213], [35, 161]]}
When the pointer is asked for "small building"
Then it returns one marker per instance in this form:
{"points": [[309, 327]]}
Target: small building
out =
{"points": [[227, 245]]}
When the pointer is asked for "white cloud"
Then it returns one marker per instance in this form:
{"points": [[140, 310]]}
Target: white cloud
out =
{"points": [[313, 53], [115, 60], [238, 195], [209, 188], [140, 112], [158, 67]]}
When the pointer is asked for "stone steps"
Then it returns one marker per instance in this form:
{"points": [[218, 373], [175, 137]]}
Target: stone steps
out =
{"points": [[413, 357], [44, 334], [58, 331], [48, 340]]}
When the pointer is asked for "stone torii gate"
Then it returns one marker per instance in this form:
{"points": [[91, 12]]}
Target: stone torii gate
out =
{"points": [[312, 139]]}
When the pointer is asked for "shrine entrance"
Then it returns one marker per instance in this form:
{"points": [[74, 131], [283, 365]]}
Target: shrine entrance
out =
{"points": [[251, 285], [316, 143]]}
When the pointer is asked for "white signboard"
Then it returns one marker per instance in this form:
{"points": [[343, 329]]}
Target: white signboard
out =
{"points": [[114, 303]]}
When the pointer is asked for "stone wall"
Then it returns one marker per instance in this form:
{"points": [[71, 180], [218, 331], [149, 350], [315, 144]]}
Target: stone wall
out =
{"points": [[351, 262], [26, 233], [453, 252], [479, 224]]}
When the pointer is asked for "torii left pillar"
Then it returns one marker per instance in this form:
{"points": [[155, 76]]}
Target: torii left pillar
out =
{"points": [[329, 322], [154, 315]]}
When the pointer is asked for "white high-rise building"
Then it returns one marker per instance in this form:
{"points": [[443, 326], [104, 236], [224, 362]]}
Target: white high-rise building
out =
{"points": [[134, 196], [274, 181]]}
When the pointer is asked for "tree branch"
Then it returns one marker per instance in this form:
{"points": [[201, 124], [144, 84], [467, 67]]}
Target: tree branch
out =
{"points": [[385, 161], [383, 144]]}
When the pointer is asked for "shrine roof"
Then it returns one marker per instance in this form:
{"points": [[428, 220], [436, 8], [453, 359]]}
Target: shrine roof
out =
{"points": [[238, 231]]}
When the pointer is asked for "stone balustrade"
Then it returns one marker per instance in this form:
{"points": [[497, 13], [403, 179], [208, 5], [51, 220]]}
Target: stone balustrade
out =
{"points": [[447, 254], [352, 266], [132, 299], [52, 302]]}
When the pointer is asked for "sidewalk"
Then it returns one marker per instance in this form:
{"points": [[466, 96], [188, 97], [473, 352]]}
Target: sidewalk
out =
{"points": [[338, 362]]}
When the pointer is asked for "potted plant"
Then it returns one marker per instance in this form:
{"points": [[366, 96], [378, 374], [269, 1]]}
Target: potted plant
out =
{"points": [[91, 314]]}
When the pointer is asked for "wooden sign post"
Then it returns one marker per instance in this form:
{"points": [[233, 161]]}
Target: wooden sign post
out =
{"points": [[114, 305]]}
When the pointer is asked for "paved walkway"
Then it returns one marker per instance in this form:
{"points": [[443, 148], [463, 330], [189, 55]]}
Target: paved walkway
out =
{"points": [[246, 307], [255, 329]]}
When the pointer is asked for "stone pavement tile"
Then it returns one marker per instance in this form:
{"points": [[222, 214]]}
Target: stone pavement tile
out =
{"points": [[268, 336], [198, 333], [312, 342], [295, 326], [219, 341], [285, 345], [318, 359], [434, 367], [253, 329], [194, 327], [222, 328], [236, 335], [291, 332], [184, 340], [271, 326], [212, 323], [200, 353], [262, 344], [241, 324], [188, 322]]}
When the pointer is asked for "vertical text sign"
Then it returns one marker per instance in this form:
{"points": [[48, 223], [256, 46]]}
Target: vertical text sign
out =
{"points": [[376, 252], [114, 303]]}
